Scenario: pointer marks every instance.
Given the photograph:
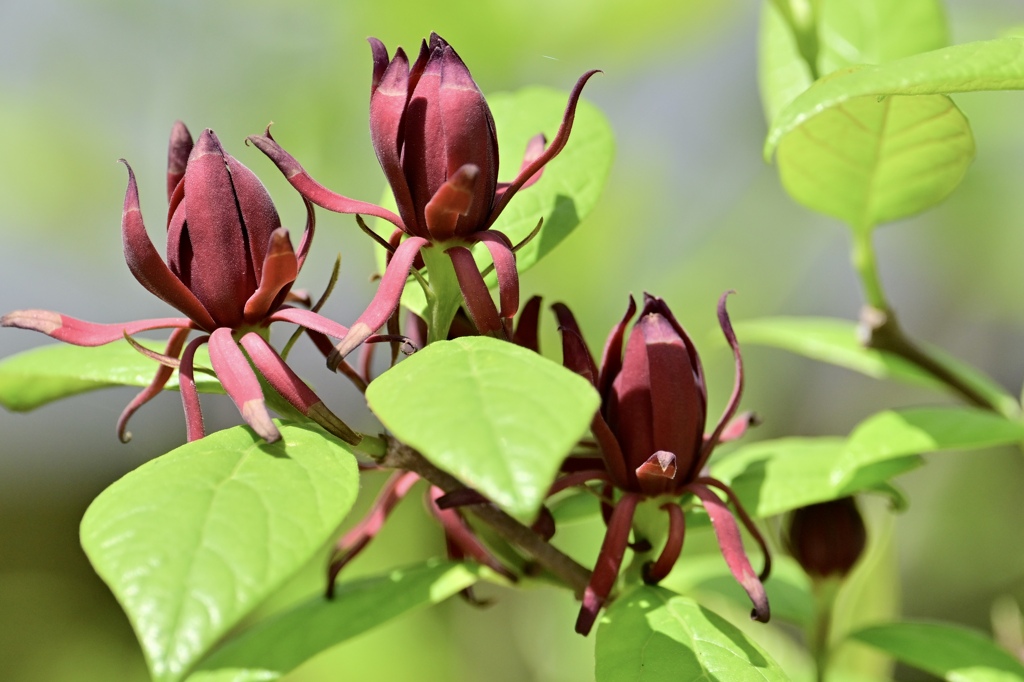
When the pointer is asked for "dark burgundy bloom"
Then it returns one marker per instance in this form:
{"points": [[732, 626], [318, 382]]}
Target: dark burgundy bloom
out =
{"points": [[436, 142], [650, 430], [230, 266], [827, 538]]}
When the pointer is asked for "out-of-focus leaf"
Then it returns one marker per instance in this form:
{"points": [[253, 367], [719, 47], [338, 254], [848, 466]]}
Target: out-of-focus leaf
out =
{"points": [[497, 416], [835, 342], [986, 65], [868, 161], [653, 634], [272, 648], [877, 31], [39, 376], [192, 541], [893, 434], [953, 652], [783, 72]]}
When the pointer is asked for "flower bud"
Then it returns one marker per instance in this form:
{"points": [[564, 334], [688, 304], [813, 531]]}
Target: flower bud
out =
{"points": [[827, 538]]}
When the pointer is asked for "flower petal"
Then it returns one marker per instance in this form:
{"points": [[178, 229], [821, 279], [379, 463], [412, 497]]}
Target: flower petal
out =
{"points": [[611, 356], [163, 374], [657, 571], [194, 428], [606, 569], [534, 148], [309, 320], [508, 275], [474, 291], [280, 268], [452, 200], [737, 389], [178, 150], [528, 328], [241, 384], [82, 333]]}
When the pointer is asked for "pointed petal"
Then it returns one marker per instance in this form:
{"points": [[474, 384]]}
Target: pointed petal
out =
{"points": [[575, 353], [241, 384], [534, 148], [731, 544], [380, 62], [737, 427], [309, 320], [385, 301], [528, 328], [571, 480], [737, 388], [294, 389], [452, 200], [258, 214], [311, 189], [280, 268], [611, 357], [508, 275], [556, 146], [307, 235], [82, 333], [462, 537], [178, 150], [474, 291], [163, 374], [606, 569], [748, 522], [194, 428], [657, 473], [147, 266], [657, 571]]}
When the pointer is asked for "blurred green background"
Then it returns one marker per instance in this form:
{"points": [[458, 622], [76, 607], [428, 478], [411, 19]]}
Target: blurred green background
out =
{"points": [[690, 211]]}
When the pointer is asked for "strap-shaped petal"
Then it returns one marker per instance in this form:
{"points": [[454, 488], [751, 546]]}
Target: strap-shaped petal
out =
{"points": [[309, 320], [737, 389], [609, 560], [508, 275], [147, 266], [293, 389], [527, 329], [163, 374], [178, 149], [313, 190], [240, 383], [534, 148], [194, 428], [81, 333], [474, 291], [657, 571], [280, 268], [611, 356], [462, 542], [450, 202]]}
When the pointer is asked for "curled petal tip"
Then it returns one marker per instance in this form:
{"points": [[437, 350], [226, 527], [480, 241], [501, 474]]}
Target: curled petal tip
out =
{"points": [[37, 320], [255, 414]]}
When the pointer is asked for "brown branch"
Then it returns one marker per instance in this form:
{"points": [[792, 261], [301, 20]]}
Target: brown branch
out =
{"points": [[401, 456]]}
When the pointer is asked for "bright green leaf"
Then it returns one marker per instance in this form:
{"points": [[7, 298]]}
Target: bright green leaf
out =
{"points": [[652, 634], [498, 417], [953, 652], [39, 376], [987, 65], [782, 71], [836, 342], [276, 646], [868, 161], [877, 31], [893, 434], [192, 541]]}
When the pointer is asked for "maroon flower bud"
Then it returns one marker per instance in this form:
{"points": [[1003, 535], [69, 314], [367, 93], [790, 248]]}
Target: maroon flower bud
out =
{"points": [[229, 268], [827, 538]]}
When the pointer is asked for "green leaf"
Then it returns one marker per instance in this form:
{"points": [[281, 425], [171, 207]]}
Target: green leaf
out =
{"points": [[836, 342], [39, 376], [782, 71], [775, 476], [191, 542], [653, 634], [498, 417], [893, 434], [868, 161], [955, 653], [272, 648], [987, 65], [877, 31]]}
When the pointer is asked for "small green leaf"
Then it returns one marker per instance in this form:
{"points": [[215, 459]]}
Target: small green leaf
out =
{"points": [[192, 541], [272, 648], [836, 342], [653, 634], [953, 652], [878, 31], [498, 417], [971, 67], [39, 376], [868, 161], [893, 434]]}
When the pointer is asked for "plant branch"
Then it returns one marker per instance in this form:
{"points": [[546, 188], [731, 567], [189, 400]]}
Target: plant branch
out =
{"points": [[401, 456]]}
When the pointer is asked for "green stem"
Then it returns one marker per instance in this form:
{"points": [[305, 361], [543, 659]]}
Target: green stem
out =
{"points": [[867, 269], [820, 629], [445, 297]]}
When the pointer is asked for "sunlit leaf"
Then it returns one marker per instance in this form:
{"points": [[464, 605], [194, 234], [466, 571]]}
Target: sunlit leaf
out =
{"points": [[653, 634], [498, 417], [782, 71], [836, 342], [39, 376], [280, 644], [986, 65], [952, 652], [868, 160], [192, 541]]}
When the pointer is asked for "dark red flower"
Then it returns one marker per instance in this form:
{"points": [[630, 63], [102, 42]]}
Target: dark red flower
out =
{"points": [[230, 266], [436, 142], [827, 538], [650, 430]]}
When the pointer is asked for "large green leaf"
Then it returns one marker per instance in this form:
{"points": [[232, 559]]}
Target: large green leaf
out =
{"points": [[36, 377], [893, 434], [987, 65], [272, 648], [868, 161], [953, 652], [498, 417], [653, 634], [192, 541], [836, 342]]}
